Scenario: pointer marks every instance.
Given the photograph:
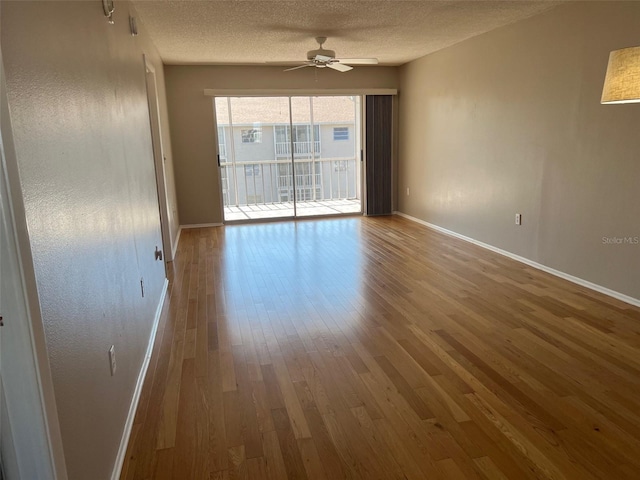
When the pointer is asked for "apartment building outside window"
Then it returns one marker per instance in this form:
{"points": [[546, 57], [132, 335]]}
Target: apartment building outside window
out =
{"points": [[340, 133]]}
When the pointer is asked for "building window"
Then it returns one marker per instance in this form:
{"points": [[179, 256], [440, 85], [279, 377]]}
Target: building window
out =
{"points": [[340, 166], [302, 144], [252, 170], [251, 135], [340, 133]]}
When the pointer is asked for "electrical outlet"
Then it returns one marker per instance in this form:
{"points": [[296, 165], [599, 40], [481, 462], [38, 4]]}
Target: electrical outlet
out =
{"points": [[407, 191], [518, 219], [112, 359]]}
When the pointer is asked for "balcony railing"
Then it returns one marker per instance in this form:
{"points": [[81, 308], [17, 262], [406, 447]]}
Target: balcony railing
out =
{"points": [[269, 182], [283, 149]]}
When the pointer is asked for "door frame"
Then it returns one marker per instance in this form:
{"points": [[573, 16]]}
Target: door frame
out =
{"points": [[215, 93], [158, 158]]}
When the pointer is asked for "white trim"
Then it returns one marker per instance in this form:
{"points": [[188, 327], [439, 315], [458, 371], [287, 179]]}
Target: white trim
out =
{"points": [[577, 280], [294, 92], [155, 129], [201, 225], [216, 128], [122, 451], [174, 250]]}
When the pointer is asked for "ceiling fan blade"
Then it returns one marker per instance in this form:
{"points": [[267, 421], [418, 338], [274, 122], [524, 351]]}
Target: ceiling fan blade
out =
{"points": [[359, 61], [299, 66], [339, 67], [284, 64]]}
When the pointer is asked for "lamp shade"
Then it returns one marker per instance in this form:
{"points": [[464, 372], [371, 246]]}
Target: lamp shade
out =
{"points": [[622, 82]]}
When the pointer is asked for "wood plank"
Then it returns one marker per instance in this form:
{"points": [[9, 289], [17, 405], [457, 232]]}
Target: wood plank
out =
{"points": [[288, 446], [276, 468], [414, 400], [311, 459], [216, 416], [248, 416], [257, 468], [331, 461], [489, 469], [294, 410], [184, 463], [237, 464]]}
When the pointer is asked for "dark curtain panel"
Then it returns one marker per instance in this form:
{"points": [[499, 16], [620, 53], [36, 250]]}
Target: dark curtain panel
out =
{"points": [[378, 171]]}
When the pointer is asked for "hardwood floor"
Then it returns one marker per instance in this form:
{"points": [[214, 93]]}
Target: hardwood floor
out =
{"points": [[374, 348]]}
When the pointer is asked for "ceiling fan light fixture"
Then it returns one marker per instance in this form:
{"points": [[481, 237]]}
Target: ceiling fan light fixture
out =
{"points": [[312, 54], [322, 58]]}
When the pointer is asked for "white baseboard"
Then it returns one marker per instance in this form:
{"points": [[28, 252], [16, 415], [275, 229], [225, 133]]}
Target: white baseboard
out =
{"points": [[579, 281], [201, 225], [122, 451], [174, 250]]}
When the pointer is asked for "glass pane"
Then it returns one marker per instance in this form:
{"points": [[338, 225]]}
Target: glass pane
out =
{"points": [[326, 138], [256, 171], [269, 160]]}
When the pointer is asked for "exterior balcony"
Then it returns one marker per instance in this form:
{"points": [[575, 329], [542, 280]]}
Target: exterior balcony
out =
{"points": [[300, 149]]}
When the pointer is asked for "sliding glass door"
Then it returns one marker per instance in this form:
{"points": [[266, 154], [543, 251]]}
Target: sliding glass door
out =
{"points": [[254, 176], [283, 157]]}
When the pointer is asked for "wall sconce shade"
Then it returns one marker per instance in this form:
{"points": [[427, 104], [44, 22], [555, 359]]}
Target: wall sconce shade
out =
{"points": [[622, 82]]}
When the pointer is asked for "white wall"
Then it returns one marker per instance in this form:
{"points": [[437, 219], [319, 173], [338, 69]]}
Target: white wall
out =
{"points": [[337, 148], [77, 97]]}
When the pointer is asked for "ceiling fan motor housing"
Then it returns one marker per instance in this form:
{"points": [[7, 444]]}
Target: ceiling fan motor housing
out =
{"points": [[311, 54]]}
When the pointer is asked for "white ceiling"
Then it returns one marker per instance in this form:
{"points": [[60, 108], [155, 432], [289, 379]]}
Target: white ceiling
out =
{"points": [[252, 32]]}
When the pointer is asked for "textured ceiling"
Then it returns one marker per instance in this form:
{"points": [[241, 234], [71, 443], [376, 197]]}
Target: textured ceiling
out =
{"points": [[252, 32]]}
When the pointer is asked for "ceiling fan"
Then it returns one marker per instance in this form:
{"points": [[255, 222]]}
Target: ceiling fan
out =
{"points": [[322, 58]]}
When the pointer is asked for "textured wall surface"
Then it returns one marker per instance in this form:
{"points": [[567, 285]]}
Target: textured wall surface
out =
{"points": [[77, 97], [24, 445], [192, 126], [511, 122]]}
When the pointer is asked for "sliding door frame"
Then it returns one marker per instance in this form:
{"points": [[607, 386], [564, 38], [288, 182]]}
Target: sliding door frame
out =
{"points": [[293, 161], [290, 94]]}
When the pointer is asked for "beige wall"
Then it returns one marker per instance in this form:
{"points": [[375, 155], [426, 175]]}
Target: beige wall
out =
{"points": [[192, 127], [77, 99], [511, 122]]}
